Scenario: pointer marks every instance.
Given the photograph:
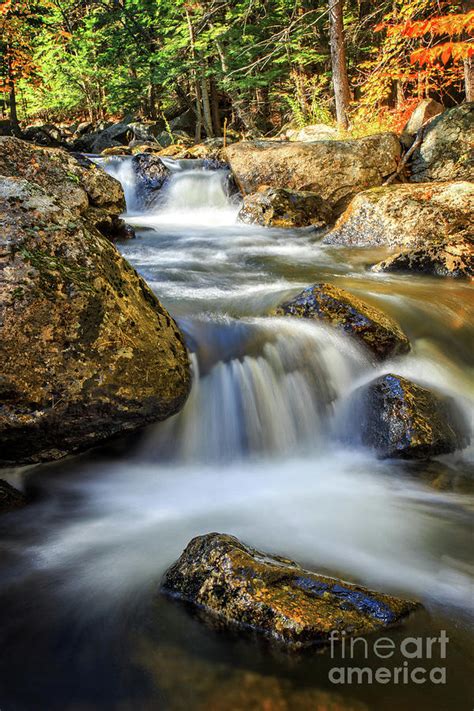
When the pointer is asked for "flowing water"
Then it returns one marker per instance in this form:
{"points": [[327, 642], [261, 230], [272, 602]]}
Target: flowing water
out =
{"points": [[257, 452]]}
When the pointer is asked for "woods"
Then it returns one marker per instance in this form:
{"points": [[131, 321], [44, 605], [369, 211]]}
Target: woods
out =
{"points": [[257, 65]]}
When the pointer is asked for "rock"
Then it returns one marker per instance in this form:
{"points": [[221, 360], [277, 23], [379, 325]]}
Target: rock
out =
{"points": [[87, 350], [406, 215], [110, 225], [151, 174], [274, 595], [117, 151], [426, 110], [315, 132], [47, 135], [77, 182], [447, 258], [10, 499], [336, 307], [335, 170], [184, 122], [446, 152], [402, 420], [146, 132], [279, 207]]}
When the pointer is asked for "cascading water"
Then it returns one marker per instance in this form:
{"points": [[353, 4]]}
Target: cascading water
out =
{"points": [[255, 452]]}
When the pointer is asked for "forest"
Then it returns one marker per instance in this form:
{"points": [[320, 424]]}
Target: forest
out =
{"points": [[257, 65]]}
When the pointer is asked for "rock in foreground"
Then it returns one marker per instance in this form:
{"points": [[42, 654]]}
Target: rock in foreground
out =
{"points": [[341, 309], [87, 350], [80, 185], [447, 258], [274, 595], [402, 420], [406, 216], [279, 207], [335, 170]]}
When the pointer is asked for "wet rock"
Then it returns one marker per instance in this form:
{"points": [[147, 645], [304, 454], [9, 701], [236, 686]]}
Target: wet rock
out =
{"points": [[402, 420], [339, 308], [10, 498], [117, 151], [110, 225], [446, 152], [279, 207], [314, 132], [406, 215], [426, 110], [87, 350], [73, 179], [446, 258], [335, 170], [150, 170], [274, 595]]}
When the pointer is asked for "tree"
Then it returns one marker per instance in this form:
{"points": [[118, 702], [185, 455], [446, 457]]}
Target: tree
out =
{"points": [[340, 79]]}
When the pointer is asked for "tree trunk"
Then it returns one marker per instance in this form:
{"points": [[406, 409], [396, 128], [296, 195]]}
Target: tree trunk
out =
{"points": [[469, 78], [216, 117], [206, 105], [340, 80], [15, 126]]}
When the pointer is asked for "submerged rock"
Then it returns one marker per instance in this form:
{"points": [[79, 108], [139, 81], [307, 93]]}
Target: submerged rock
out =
{"points": [[402, 420], [279, 207], [341, 309], [406, 215], [446, 258], [274, 595], [10, 498], [87, 350], [188, 682], [446, 152], [335, 170]]}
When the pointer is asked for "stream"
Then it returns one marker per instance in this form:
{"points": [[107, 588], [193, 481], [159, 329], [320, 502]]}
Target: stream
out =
{"points": [[257, 452]]}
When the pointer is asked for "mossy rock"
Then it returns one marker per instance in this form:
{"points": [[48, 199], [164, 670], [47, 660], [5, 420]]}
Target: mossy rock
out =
{"points": [[275, 596], [87, 350], [400, 419], [280, 207], [446, 258], [327, 303]]}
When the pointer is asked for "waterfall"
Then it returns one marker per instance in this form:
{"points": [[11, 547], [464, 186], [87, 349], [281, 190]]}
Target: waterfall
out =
{"points": [[192, 195], [261, 387]]}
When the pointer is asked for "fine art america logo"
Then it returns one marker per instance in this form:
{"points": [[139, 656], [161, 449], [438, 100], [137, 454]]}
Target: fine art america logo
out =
{"points": [[408, 661]]}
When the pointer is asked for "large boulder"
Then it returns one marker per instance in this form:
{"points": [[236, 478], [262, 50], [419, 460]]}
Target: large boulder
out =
{"points": [[151, 174], [339, 308], [314, 132], [275, 596], [280, 207], [447, 148], [44, 135], [80, 185], [446, 258], [400, 419], [335, 170], [424, 111], [87, 350], [406, 216], [10, 498]]}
